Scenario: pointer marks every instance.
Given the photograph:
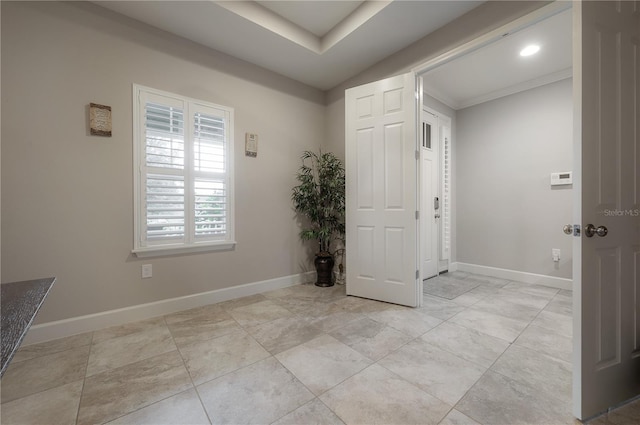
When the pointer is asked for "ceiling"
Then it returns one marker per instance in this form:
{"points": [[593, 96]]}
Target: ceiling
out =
{"points": [[317, 17], [498, 69], [319, 43], [324, 43]]}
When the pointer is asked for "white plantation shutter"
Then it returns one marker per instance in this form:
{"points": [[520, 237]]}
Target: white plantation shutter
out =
{"points": [[210, 208], [209, 142], [164, 136], [445, 244], [164, 202], [210, 192], [183, 152]]}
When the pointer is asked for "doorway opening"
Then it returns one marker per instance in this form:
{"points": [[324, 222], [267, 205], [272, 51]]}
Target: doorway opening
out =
{"points": [[435, 178], [508, 218], [507, 212]]}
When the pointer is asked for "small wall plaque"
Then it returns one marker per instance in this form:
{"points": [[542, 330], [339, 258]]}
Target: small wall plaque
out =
{"points": [[100, 119], [251, 145]]}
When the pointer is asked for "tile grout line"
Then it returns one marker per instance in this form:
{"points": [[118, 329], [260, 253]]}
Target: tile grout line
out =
{"points": [[243, 329], [500, 356], [454, 406], [184, 364], [373, 362], [58, 386], [195, 387], [84, 379], [317, 396], [487, 369], [546, 330], [162, 399], [410, 383]]}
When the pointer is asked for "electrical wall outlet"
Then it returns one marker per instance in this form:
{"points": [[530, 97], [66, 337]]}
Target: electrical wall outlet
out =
{"points": [[147, 271], [555, 254]]}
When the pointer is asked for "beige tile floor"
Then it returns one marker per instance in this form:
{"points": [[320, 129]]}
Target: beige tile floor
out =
{"points": [[480, 351]]}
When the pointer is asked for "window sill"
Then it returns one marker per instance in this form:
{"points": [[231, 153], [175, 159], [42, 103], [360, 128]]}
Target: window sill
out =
{"points": [[167, 250]]}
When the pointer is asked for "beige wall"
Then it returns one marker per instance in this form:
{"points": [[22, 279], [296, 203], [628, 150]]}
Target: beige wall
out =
{"points": [[67, 196], [508, 215]]}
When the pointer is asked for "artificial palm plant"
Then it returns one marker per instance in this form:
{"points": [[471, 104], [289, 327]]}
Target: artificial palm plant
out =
{"points": [[320, 197]]}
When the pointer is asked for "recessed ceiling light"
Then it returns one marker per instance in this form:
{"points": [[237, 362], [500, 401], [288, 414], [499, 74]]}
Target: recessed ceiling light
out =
{"points": [[531, 49]]}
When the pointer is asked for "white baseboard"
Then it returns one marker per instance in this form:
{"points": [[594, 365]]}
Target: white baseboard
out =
{"points": [[539, 279], [92, 322]]}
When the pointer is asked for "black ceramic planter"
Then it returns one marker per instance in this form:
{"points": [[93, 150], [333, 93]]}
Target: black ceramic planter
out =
{"points": [[324, 267]]}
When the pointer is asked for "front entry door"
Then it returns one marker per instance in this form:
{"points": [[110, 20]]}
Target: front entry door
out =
{"points": [[607, 255], [381, 173], [429, 170]]}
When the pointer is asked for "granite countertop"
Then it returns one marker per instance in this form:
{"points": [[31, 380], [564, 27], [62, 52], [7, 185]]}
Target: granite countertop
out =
{"points": [[20, 304]]}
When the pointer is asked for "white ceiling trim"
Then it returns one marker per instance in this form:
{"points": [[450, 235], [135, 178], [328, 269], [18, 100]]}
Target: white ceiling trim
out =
{"points": [[352, 22], [316, 16], [275, 23], [517, 88], [526, 85]]}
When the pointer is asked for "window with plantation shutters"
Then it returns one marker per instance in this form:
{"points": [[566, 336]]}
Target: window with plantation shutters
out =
{"points": [[184, 186]]}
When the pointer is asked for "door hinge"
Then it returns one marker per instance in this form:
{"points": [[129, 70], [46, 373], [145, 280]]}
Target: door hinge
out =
{"points": [[417, 215], [417, 274], [417, 154]]}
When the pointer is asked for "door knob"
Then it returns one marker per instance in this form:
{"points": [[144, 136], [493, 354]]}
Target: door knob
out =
{"points": [[567, 229], [590, 230]]}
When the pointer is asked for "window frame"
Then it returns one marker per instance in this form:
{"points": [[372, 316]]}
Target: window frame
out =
{"points": [[190, 242]]}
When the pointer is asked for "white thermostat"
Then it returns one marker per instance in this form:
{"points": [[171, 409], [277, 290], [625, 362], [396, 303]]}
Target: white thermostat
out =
{"points": [[559, 179]]}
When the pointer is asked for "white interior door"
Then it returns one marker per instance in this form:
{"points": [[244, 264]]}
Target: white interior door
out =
{"points": [[381, 173], [430, 211], [607, 267]]}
